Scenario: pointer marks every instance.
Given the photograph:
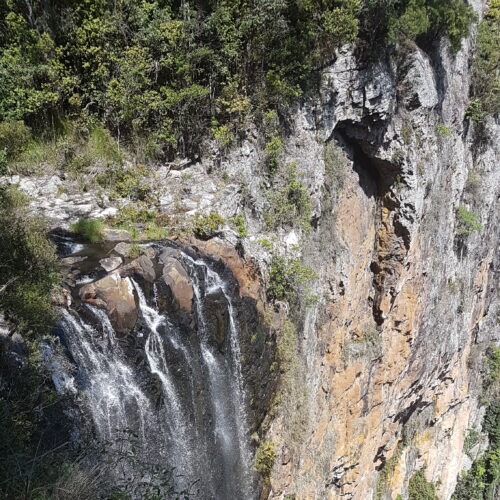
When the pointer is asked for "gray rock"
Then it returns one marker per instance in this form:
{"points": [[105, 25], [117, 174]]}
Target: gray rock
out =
{"points": [[117, 235], [166, 253], [111, 263], [143, 266], [70, 261], [122, 249]]}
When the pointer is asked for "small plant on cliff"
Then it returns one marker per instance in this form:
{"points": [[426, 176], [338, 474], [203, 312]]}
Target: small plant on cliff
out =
{"points": [[273, 149], [471, 439], [91, 229], [265, 455], [467, 221], [238, 221], [208, 226], [292, 391], [286, 277], [289, 202], [421, 489], [494, 364], [336, 166], [443, 130], [387, 471], [135, 250]]}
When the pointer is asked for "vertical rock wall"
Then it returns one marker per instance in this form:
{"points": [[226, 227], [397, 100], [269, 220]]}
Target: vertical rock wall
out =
{"points": [[408, 304]]}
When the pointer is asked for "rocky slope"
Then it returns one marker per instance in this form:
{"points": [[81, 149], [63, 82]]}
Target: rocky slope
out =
{"points": [[389, 353]]}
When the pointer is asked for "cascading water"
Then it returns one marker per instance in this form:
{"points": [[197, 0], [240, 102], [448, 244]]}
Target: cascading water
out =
{"points": [[109, 385], [183, 397]]}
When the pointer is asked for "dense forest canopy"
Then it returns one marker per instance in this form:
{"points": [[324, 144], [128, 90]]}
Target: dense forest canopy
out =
{"points": [[161, 73]]}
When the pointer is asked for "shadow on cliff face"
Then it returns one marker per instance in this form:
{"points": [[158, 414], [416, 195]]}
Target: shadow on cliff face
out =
{"points": [[378, 178]]}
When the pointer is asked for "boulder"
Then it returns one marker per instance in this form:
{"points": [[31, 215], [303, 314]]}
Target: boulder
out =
{"points": [[123, 249], [176, 277], [143, 266], [116, 295], [117, 235], [71, 261], [111, 263], [166, 253]]}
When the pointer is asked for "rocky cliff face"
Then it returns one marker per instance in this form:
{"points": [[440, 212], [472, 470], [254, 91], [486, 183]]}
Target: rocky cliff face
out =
{"points": [[389, 353], [408, 301]]}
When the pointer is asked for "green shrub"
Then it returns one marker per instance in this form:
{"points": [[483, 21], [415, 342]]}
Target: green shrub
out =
{"points": [[14, 137], [467, 221], [482, 480], [471, 439], [292, 393], [289, 202], [413, 22], [239, 222], [154, 231], [335, 165], [126, 182], [208, 226], [134, 251], [266, 244], [265, 455], [29, 270], [273, 150], [421, 489], [387, 472], [494, 364], [443, 130], [397, 156], [136, 213], [91, 229], [223, 134], [485, 88], [383, 20], [3, 162], [367, 343], [286, 278]]}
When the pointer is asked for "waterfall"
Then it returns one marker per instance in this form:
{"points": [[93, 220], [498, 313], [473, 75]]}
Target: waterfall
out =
{"points": [[194, 422], [110, 388], [217, 374]]}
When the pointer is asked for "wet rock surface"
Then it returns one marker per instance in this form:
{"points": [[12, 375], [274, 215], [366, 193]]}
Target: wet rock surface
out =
{"points": [[180, 354], [177, 279], [115, 295]]}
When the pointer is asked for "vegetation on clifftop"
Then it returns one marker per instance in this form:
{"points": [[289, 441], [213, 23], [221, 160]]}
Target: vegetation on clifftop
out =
{"points": [[160, 74]]}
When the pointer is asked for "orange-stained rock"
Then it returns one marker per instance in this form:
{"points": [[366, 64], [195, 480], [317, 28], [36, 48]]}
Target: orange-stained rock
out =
{"points": [[116, 296], [244, 271], [177, 279]]}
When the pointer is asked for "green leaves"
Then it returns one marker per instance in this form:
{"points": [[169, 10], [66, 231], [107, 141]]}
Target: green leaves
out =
{"points": [[29, 269], [486, 77], [467, 221], [160, 73], [286, 278]]}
